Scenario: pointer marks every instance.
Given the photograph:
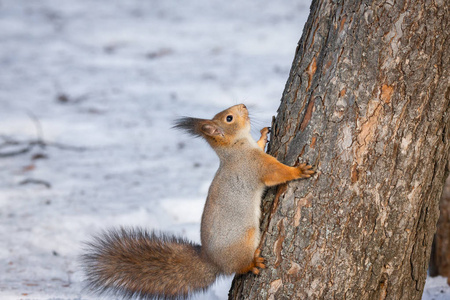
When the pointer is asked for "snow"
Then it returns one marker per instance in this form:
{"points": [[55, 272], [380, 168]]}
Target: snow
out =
{"points": [[100, 85], [436, 289]]}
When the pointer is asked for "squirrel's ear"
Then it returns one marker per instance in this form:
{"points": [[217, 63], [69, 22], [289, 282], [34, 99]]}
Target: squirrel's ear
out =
{"points": [[198, 127], [212, 129]]}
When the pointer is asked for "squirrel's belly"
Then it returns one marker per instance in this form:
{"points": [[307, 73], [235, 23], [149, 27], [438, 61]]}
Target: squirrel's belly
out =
{"points": [[231, 221]]}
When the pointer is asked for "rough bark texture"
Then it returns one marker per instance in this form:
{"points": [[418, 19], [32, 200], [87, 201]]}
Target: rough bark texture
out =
{"points": [[367, 102], [440, 253]]}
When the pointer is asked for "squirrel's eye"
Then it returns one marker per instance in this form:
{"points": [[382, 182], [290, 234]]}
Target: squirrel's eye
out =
{"points": [[229, 118]]}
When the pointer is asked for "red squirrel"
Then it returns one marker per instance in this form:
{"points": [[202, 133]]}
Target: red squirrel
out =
{"points": [[145, 264]]}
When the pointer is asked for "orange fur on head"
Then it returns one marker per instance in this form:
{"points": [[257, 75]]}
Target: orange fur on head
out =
{"points": [[222, 129]]}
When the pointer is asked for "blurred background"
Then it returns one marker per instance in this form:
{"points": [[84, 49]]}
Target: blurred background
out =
{"points": [[88, 94]]}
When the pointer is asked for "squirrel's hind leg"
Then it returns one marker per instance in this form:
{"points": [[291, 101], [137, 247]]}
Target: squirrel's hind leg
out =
{"points": [[256, 264], [242, 256]]}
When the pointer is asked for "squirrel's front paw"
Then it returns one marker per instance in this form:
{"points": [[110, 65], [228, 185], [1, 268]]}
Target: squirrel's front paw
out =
{"points": [[265, 131], [263, 139], [305, 170]]}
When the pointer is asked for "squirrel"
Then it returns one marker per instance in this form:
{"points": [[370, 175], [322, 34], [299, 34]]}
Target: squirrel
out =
{"points": [[138, 263]]}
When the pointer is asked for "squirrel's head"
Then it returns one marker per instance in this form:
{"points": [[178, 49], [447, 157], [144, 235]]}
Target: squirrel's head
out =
{"points": [[226, 127]]}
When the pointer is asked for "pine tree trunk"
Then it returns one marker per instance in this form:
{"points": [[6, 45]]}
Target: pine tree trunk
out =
{"points": [[368, 103]]}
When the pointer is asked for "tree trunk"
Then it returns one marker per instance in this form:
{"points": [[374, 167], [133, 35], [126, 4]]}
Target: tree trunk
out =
{"points": [[366, 102], [440, 253]]}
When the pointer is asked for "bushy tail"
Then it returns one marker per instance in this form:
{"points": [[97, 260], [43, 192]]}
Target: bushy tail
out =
{"points": [[133, 262]]}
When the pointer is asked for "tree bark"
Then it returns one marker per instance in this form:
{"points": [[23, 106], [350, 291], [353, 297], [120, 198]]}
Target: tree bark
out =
{"points": [[367, 103], [440, 253]]}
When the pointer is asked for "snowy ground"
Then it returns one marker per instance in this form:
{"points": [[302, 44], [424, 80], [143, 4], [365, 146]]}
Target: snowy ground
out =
{"points": [[99, 83]]}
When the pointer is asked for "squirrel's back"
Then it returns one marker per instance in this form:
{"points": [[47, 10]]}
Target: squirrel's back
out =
{"points": [[138, 263]]}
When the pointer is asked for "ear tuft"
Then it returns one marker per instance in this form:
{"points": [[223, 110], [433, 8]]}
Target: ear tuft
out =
{"points": [[188, 124]]}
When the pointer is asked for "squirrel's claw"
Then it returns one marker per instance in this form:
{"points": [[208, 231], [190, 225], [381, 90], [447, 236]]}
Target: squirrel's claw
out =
{"points": [[306, 170], [258, 262]]}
